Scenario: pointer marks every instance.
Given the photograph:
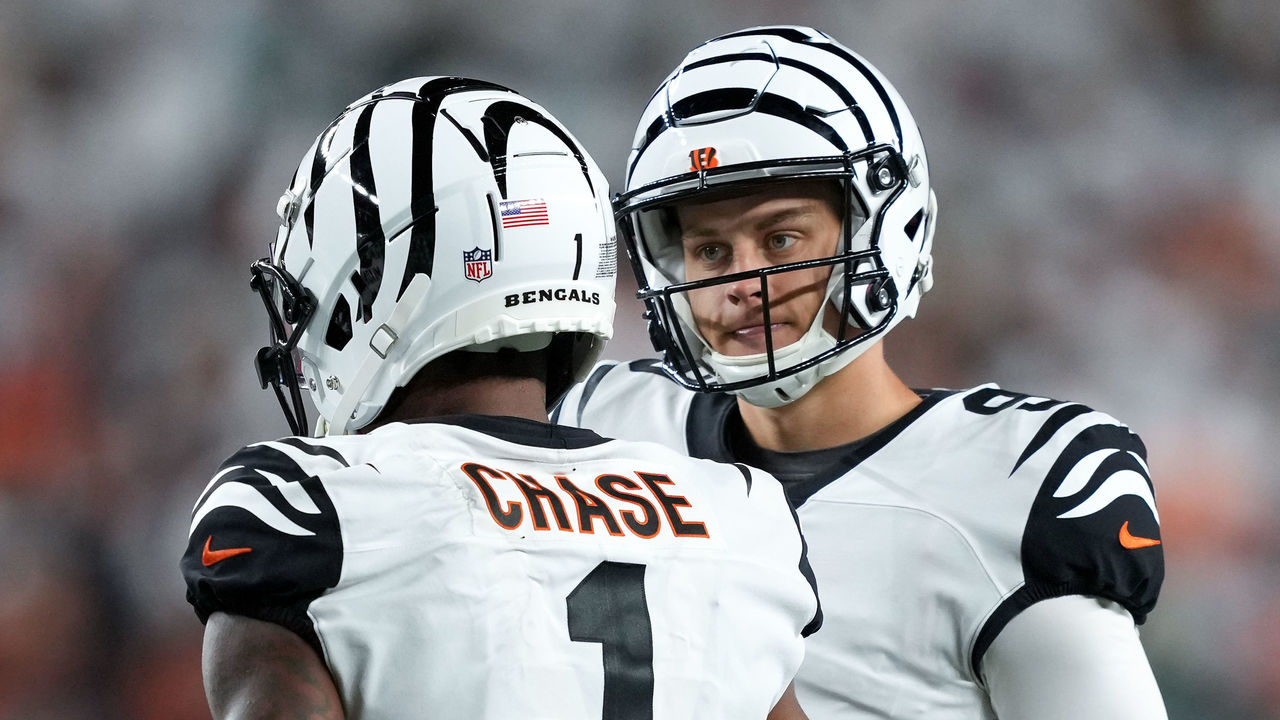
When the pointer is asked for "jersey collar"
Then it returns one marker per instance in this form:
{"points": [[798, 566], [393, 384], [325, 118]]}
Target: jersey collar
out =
{"points": [[715, 431], [523, 431]]}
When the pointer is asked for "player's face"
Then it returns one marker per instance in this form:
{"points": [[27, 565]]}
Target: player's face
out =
{"points": [[783, 224]]}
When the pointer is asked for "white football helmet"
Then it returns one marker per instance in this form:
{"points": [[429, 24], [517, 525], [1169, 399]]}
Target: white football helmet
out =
{"points": [[769, 105], [433, 215]]}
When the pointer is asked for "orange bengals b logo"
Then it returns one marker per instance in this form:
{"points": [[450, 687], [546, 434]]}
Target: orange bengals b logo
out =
{"points": [[702, 159]]}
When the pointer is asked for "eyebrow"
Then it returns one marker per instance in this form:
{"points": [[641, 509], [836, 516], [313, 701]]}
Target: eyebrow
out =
{"points": [[777, 218]]}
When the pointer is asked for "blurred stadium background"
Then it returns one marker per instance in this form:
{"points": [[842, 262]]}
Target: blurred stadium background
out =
{"points": [[1107, 174]]}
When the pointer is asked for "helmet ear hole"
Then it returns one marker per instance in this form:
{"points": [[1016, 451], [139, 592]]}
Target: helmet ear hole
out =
{"points": [[913, 224], [339, 332]]}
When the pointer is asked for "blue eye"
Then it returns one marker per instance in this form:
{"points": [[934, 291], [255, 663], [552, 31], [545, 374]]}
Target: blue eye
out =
{"points": [[780, 242], [711, 253]]}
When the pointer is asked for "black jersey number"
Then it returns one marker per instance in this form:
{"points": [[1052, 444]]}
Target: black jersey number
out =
{"points": [[609, 607]]}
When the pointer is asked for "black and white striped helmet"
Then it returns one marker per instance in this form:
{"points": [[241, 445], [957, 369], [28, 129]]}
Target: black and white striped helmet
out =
{"points": [[768, 105], [434, 214]]}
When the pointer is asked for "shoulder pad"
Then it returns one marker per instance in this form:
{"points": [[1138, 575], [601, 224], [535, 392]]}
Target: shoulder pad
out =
{"points": [[1093, 527], [264, 538]]}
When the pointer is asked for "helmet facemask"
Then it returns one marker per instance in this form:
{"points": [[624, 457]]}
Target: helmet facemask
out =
{"points": [[858, 301], [289, 309], [758, 108]]}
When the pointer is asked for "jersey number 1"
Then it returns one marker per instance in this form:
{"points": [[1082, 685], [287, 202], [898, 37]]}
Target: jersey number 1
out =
{"points": [[609, 607]]}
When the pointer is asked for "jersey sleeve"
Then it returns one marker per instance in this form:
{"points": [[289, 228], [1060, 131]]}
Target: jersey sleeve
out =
{"points": [[1093, 528], [264, 539], [1072, 657], [636, 400], [752, 476], [573, 405], [815, 622]]}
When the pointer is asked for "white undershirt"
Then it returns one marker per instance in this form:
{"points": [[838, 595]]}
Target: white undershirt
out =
{"points": [[1068, 658]]}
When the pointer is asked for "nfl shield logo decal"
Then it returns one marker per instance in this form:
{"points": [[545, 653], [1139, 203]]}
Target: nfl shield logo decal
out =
{"points": [[477, 263]]}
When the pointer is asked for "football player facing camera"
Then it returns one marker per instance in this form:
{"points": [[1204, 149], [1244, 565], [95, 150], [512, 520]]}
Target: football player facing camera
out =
{"points": [[982, 553], [443, 272]]}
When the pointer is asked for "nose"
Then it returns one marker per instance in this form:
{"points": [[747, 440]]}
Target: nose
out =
{"points": [[747, 290]]}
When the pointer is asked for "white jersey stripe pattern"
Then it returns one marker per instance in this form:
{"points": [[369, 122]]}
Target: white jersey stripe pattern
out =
{"points": [[245, 497], [923, 543], [495, 568]]}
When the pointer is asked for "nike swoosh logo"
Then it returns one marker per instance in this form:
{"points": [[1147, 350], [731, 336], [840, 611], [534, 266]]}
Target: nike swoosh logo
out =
{"points": [[210, 557], [1133, 542]]}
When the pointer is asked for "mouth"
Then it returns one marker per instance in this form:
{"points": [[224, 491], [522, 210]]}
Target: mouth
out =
{"points": [[747, 332], [751, 338]]}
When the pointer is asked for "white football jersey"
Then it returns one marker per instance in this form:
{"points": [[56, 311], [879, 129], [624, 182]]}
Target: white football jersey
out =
{"points": [[927, 537], [480, 567]]}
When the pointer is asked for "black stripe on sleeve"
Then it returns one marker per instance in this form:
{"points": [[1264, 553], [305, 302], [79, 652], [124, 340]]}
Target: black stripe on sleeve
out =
{"points": [[246, 463], [1051, 426], [653, 366], [807, 571], [320, 450], [273, 576], [589, 388], [746, 475]]}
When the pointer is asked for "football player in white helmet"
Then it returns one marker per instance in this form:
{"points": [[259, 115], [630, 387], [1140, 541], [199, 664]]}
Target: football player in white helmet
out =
{"points": [[443, 272], [982, 552]]}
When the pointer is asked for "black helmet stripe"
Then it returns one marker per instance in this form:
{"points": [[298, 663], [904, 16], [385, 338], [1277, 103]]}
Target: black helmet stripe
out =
{"points": [[872, 80], [317, 174], [650, 134], [787, 33], [789, 109], [731, 57], [498, 119], [845, 96], [422, 235], [371, 242], [731, 98], [470, 137], [799, 36], [710, 101]]}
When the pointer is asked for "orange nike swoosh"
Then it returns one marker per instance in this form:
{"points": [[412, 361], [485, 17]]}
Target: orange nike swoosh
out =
{"points": [[1133, 542], [209, 557]]}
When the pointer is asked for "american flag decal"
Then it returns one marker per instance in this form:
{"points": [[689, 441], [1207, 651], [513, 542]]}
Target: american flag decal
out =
{"points": [[523, 213]]}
